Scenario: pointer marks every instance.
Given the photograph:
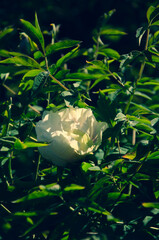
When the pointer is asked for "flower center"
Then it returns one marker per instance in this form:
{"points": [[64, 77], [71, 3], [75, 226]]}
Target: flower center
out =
{"points": [[83, 139]]}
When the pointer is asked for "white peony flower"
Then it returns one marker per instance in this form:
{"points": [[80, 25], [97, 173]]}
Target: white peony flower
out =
{"points": [[71, 133]]}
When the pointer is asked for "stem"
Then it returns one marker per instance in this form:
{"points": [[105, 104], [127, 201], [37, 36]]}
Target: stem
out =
{"points": [[48, 99], [37, 169], [130, 178], [35, 110], [134, 137], [14, 93], [9, 89], [10, 166], [97, 48], [139, 75], [46, 61], [6, 209], [115, 78], [58, 82]]}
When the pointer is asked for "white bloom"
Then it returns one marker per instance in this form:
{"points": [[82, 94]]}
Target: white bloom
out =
{"points": [[71, 133]]}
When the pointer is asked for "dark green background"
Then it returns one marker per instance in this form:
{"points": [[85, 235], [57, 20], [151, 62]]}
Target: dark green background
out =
{"points": [[77, 18]]}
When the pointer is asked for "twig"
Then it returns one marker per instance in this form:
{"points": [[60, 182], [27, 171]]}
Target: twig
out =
{"points": [[14, 93], [139, 76], [58, 82], [37, 168], [128, 181], [6, 209]]}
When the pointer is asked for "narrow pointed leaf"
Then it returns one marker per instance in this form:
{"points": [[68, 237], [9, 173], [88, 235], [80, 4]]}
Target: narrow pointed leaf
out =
{"points": [[151, 205], [61, 45], [23, 145], [65, 58], [33, 32], [40, 35], [22, 61], [149, 12], [32, 73]]}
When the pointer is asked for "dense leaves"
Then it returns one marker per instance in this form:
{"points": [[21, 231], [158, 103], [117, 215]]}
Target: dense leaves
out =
{"points": [[111, 194]]}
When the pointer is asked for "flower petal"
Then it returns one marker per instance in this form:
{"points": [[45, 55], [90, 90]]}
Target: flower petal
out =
{"points": [[59, 151]]}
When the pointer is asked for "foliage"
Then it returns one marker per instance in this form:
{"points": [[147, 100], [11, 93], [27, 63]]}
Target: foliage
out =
{"points": [[112, 194]]}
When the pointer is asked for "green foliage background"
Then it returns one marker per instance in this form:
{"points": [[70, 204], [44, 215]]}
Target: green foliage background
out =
{"points": [[112, 194]]}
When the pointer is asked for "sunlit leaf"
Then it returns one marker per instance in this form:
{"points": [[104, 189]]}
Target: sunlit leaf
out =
{"points": [[150, 205], [150, 10], [156, 23], [61, 45], [32, 73], [22, 61], [85, 166], [39, 80], [108, 52], [65, 58], [140, 94], [6, 31], [112, 32], [73, 187], [33, 32], [23, 145]]}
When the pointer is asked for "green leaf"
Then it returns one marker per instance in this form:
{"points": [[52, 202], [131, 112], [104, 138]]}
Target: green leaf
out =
{"points": [[37, 195], [145, 128], [25, 86], [7, 140], [34, 225], [156, 194], [35, 213], [151, 205], [60, 75], [104, 77], [73, 187], [112, 32], [23, 145], [104, 212], [6, 31], [155, 23], [98, 209], [155, 124], [34, 144], [97, 64], [94, 168], [109, 107], [140, 33], [22, 61], [131, 57], [38, 54], [140, 94], [39, 80], [151, 82], [66, 57], [143, 109], [112, 196], [61, 45], [142, 120], [82, 76], [4, 53], [33, 32], [108, 52], [155, 58], [40, 35], [32, 73], [153, 13], [154, 155], [85, 166], [50, 187], [149, 12]]}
